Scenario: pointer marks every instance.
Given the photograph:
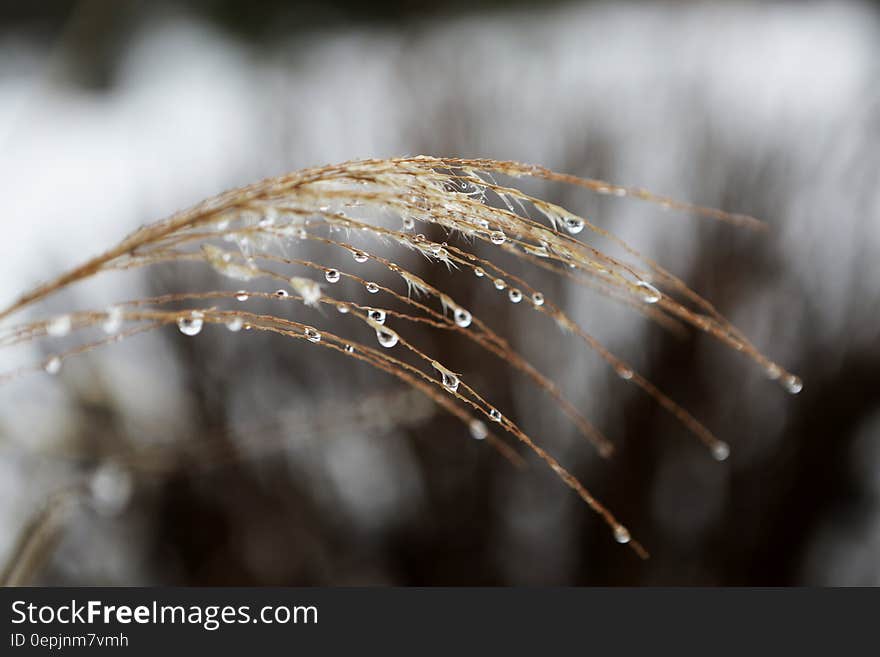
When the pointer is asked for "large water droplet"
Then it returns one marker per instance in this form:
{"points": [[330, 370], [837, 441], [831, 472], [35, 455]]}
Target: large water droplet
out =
{"points": [[499, 284], [332, 276], [462, 317], [53, 365], [234, 324], [497, 237], [793, 384], [377, 315], [59, 327], [478, 429], [648, 292], [538, 299], [312, 335], [343, 309], [372, 288], [387, 338], [621, 534], [495, 415], [281, 294], [191, 325], [514, 295], [241, 295], [720, 451], [360, 256], [573, 225]]}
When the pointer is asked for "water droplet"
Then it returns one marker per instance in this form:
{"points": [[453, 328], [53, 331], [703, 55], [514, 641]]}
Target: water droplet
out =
{"points": [[372, 288], [387, 338], [499, 284], [234, 324], [573, 225], [191, 325], [312, 335], [479, 272], [497, 237], [112, 321], [495, 415], [478, 429], [111, 487], [624, 372], [408, 223], [448, 378], [332, 276], [514, 295], [793, 384], [281, 294], [720, 451], [621, 534], [538, 299], [377, 315], [343, 309], [349, 349], [648, 292], [360, 256], [59, 327], [773, 371], [462, 317], [241, 295], [53, 365]]}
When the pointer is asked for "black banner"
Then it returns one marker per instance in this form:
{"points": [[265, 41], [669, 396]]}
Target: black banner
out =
{"points": [[456, 621]]}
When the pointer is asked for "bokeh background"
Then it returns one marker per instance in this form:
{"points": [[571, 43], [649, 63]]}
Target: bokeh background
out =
{"points": [[218, 460]]}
